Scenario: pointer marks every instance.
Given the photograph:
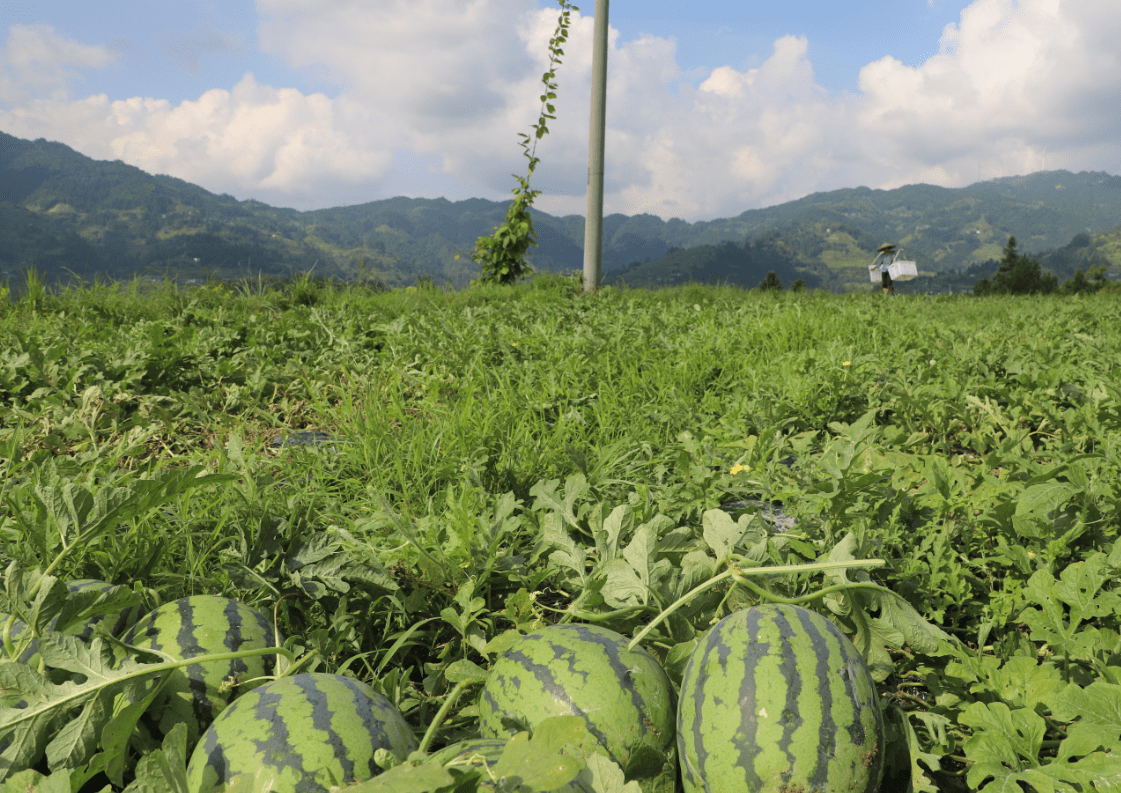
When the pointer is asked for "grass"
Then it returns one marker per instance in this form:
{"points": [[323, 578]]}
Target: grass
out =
{"points": [[486, 426]]}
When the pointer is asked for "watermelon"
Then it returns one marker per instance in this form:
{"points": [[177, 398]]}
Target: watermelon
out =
{"points": [[304, 733], [203, 625], [776, 698], [624, 696]]}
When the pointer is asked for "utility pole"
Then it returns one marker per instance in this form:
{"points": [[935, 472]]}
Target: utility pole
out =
{"points": [[593, 223]]}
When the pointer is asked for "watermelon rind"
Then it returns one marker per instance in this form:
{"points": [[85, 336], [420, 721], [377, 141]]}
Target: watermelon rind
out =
{"points": [[299, 734], [776, 698], [624, 696], [203, 625]]}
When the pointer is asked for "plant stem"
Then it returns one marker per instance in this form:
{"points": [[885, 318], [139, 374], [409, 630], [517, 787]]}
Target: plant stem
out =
{"points": [[736, 572], [78, 692], [441, 714]]}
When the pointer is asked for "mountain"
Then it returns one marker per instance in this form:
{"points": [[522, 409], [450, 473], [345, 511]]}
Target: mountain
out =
{"points": [[70, 215]]}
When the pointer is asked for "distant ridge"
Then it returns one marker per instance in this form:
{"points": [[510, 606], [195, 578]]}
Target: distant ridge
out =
{"points": [[64, 213]]}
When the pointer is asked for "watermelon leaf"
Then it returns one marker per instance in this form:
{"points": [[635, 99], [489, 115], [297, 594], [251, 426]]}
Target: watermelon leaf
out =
{"points": [[537, 763], [164, 770], [465, 671], [545, 492], [406, 778], [1098, 710], [603, 775], [617, 525], [622, 587], [721, 534], [31, 780]]}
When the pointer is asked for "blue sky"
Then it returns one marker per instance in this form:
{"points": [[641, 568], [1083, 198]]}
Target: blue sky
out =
{"points": [[713, 107]]}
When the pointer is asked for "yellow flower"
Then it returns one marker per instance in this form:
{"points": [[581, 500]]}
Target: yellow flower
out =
{"points": [[847, 363], [737, 468]]}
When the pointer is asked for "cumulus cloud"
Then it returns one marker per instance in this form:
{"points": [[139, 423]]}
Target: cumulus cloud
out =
{"points": [[34, 63], [1010, 84]]}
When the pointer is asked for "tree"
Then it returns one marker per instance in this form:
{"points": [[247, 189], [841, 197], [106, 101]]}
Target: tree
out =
{"points": [[771, 283], [1017, 275], [1080, 283]]}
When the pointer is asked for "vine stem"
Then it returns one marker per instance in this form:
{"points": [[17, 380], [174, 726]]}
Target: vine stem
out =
{"points": [[434, 726], [738, 573], [31, 712]]}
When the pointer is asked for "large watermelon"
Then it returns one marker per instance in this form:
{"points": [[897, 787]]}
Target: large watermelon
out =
{"points": [[203, 625], [624, 696], [299, 734], [776, 698]]}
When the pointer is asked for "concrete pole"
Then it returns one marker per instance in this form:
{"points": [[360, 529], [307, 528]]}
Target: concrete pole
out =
{"points": [[593, 223]]}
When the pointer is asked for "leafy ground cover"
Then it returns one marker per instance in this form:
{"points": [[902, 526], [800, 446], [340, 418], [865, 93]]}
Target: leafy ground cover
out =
{"points": [[499, 459]]}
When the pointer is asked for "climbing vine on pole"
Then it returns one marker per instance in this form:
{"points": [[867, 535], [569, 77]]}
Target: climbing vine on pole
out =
{"points": [[501, 257]]}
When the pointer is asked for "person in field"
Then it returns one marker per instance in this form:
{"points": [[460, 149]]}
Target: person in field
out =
{"points": [[883, 252], [885, 278]]}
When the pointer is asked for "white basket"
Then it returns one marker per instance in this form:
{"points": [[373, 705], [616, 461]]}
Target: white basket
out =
{"points": [[899, 271]]}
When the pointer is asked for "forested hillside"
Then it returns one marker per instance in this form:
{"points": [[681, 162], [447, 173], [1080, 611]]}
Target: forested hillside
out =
{"points": [[71, 216]]}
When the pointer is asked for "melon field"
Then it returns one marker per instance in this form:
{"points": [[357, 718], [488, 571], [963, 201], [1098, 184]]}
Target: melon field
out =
{"points": [[310, 536]]}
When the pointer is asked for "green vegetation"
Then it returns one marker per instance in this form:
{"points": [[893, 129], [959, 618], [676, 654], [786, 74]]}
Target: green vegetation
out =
{"points": [[1017, 275], [505, 458]]}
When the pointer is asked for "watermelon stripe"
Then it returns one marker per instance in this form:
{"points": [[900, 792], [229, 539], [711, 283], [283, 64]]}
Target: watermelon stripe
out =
{"points": [[822, 647]]}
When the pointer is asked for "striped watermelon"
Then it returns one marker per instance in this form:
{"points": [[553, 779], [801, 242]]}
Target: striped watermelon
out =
{"points": [[624, 696], [776, 698], [299, 734], [202, 625]]}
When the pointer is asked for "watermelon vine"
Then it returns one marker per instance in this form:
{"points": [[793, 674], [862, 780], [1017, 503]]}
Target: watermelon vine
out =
{"points": [[502, 256]]}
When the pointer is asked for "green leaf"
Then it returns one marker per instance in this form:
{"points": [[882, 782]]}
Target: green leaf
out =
{"points": [[618, 524], [1036, 508], [165, 769], [641, 552], [406, 778], [465, 671], [603, 775], [1098, 711], [920, 782], [31, 781], [1003, 739], [49, 705], [538, 763], [1025, 683], [622, 587], [721, 533], [546, 496]]}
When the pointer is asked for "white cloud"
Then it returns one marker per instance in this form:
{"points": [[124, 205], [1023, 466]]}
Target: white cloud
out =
{"points": [[33, 63], [440, 79]]}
